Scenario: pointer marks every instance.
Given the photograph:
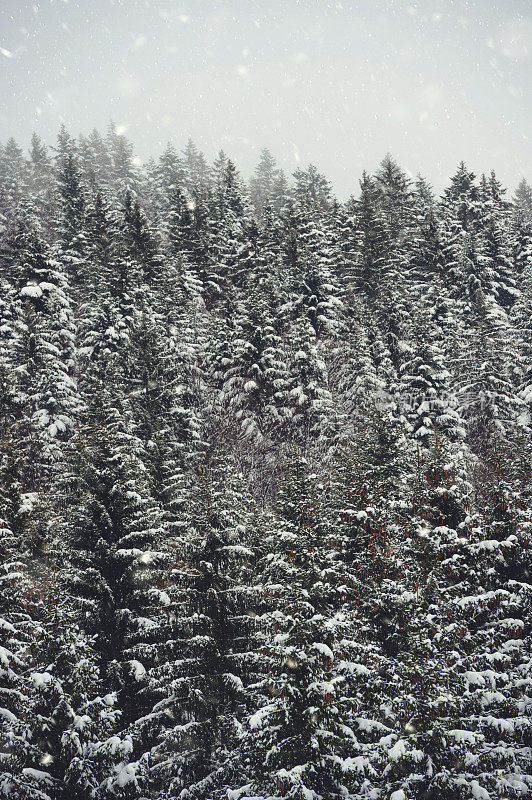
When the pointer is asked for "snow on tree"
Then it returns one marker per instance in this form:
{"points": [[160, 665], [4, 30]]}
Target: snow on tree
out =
{"points": [[264, 480], [42, 353]]}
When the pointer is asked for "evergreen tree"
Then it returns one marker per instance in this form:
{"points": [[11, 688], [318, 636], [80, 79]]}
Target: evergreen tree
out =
{"points": [[306, 397], [41, 181], [394, 196], [488, 399], [522, 316], [311, 288], [197, 174], [371, 249], [523, 199], [256, 376], [263, 184], [120, 151], [14, 177], [296, 742], [139, 241], [43, 355], [198, 676]]}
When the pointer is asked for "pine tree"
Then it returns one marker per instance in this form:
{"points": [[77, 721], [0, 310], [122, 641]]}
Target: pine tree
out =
{"points": [[21, 773], [425, 381], [43, 354], [522, 316], [263, 184], [120, 151], [372, 247], [256, 376], [197, 175], [198, 677], [95, 161], [296, 741], [70, 248], [312, 189], [306, 397], [488, 400], [311, 288], [394, 195], [14, 177], [41, 181], [523, 199], [494, 226], [116, 557], [352, 373], [462, 196], [139, 241]]}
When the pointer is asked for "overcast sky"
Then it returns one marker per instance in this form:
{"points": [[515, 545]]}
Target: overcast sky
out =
{"points": [[337, 84]]}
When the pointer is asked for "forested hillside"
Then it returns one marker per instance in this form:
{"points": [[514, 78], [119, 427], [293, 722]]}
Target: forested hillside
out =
{"points": [[264, 481]]}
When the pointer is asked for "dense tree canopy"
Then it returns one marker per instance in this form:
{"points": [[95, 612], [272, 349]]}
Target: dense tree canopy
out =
{"points": [[264, 481]]}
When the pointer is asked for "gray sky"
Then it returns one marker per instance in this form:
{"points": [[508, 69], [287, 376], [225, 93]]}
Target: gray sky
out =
{"points": [[337, 84]]}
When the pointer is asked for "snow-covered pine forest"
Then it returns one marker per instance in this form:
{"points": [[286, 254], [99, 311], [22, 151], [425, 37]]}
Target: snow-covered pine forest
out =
{"points": [[265, 481]]}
